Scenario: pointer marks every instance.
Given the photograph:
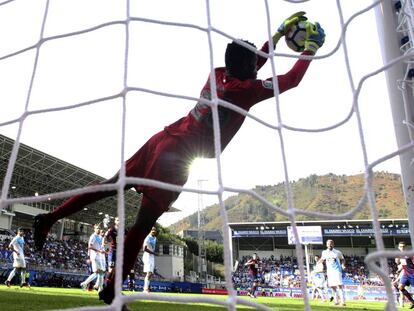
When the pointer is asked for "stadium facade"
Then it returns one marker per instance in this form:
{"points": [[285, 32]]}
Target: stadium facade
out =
{"points": [[352, 237]]}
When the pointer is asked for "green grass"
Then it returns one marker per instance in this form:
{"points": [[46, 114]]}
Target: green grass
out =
{"points": [[44, 298]]}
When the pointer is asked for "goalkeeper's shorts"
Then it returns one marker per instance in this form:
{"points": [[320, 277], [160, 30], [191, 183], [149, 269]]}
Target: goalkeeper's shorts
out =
{"points": [[162, 158]]}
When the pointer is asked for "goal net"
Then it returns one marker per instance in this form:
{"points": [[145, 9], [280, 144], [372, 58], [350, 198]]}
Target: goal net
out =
{"points": [[94, 79]]}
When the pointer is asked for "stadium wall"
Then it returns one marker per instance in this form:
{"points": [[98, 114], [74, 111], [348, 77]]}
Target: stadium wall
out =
{"points": [[170, 263], [6, 216], [27, 210], [5, 221]]}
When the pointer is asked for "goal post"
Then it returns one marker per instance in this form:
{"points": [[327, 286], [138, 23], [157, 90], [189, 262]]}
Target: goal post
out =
{"points": [[395, 25]]}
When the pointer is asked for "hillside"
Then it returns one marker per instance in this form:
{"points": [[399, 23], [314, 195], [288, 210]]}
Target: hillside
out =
{"points": [[329, 193]]}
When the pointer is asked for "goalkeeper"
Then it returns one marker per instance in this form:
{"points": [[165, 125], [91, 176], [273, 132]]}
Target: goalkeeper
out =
{"points": [[166, 156]]}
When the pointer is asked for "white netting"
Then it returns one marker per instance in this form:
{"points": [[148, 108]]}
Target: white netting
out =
{"points": [[130, 33]]}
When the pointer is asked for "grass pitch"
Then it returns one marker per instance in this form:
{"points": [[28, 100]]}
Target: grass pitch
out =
{"points": [[45, 298]]}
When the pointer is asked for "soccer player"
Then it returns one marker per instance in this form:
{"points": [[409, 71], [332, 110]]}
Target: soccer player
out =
{"points": [[102, 258], [19, 262], [318, 280], [253, 268], [167, 155], [396, 282], [95, 250], [111, 237], [148, 258], [335, 264], [361, 290], [406, 276], [131, 280]]}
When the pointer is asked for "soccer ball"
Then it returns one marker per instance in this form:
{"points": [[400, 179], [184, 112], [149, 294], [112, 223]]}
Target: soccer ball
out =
{"points": [[295, 37]]}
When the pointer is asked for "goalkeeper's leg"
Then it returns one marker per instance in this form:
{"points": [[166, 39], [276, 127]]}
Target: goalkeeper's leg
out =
{"points": [[166, 159], [43, 222], [135, 166], [162, 157], [147, 216]]}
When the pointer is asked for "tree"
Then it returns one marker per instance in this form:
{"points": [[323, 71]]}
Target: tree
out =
{"points": [[165, 236], [192, 244], [214, 251]]}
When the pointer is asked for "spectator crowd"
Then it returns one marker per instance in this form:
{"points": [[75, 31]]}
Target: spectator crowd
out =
{"points": [[284, 272], [61, 263], [64, 263]]}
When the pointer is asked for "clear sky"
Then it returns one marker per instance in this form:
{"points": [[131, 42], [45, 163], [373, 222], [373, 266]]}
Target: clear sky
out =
{"points": [[177, 60]]}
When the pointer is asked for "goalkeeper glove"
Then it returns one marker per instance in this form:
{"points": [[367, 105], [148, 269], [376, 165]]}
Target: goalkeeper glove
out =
{"points": [[287, 23], [315, 37]]}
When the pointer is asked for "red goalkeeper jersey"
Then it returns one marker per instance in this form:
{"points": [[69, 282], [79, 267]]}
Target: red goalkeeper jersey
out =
{"points": [[196, 128], [166, 155]]}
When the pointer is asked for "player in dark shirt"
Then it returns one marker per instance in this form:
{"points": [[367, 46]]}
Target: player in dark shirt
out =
{"points": [[406, 277], [111, 238], [253, 269], [166, 156]]}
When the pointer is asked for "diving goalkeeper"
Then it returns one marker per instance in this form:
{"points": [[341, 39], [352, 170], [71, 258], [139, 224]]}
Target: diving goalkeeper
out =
{"points": [[166, 156]]}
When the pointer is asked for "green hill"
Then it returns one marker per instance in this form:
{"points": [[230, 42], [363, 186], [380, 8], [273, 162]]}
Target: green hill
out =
{"points": [[329, 193]]}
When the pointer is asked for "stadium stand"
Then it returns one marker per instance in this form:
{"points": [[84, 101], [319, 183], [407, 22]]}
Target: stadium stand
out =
{"points": [[62, 263], [283, 272]]}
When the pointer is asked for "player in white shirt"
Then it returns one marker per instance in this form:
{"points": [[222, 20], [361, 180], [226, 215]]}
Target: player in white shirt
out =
{"points": [[19, 262], [148, 257], [101, 256], [335, 264], [95, 252], [318, 280]]}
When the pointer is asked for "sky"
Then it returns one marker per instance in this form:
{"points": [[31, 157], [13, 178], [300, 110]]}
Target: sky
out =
{"points": [[176, 60]]}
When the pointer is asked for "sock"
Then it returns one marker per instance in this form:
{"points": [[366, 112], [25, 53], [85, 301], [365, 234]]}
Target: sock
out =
{"points": [[98, 281], [400, 298], [253, 289], [322, 293], [89, 279], [408, 295], [341, 295], [397, 291], [23, 276], [335, 295], [101, 280], [146, 283], [11, 275]]}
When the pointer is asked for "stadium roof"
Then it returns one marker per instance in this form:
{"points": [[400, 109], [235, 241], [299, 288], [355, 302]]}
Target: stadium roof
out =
{"points": [[315, 222], [38, 172]]}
